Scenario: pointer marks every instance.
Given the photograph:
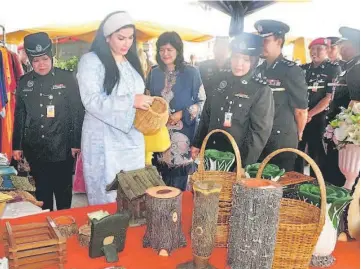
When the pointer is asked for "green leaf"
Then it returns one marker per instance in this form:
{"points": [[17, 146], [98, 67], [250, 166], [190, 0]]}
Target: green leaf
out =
{"points": [[336, 209]]}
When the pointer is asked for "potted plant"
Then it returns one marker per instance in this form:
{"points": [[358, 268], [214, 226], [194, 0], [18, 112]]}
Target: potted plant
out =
{"points": [[345, 132]]}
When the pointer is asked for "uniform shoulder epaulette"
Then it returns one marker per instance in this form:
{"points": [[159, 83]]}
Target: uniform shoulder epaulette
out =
{"points": [[288, 62], [260, 80], [305, 66]]}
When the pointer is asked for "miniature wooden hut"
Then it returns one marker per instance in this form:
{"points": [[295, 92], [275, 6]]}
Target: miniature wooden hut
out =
{"points": [[131, 187]]}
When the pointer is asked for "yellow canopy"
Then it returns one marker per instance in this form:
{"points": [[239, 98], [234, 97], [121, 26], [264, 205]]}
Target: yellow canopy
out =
{"points": [[86, 32]]}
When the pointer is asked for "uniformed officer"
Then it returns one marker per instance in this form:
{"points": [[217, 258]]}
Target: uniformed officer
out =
{"points": [[346, 89], [334, 51], [241, 104], [210, 69], [320, 74], [48, 122], [350, 50], [289, 88]]}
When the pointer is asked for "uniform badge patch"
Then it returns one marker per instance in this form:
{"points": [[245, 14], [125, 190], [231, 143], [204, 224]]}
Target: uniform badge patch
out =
{"points": [[242, 95], [30, 83], [58, 86], [223, 84]]}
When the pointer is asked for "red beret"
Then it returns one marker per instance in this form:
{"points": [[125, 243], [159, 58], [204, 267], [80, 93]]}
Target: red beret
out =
{"points": [[320, 41], [20, 47]]}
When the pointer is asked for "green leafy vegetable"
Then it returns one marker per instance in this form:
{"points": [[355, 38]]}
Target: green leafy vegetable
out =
{"points": [[338, 197]]}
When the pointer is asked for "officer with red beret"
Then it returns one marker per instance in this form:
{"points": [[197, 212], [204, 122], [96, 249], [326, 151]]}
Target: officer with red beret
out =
{"points": [[320, 74]]}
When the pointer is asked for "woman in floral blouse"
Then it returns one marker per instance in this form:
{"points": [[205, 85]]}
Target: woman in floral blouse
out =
{"points": [[181, 86]]}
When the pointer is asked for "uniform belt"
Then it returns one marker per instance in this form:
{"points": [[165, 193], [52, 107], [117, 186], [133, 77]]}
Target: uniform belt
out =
{"points": [[278, 89]]}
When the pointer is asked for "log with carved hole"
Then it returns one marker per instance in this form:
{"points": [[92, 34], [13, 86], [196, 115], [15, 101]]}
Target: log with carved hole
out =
{"points": [[204, 223], [254, 224], [164, 220]]}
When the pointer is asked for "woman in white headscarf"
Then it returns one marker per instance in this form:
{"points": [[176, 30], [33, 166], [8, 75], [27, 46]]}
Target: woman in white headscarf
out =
{"points": [[111, 85]]}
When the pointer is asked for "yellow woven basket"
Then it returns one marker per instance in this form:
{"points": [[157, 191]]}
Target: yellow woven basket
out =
{"points": [[149, 122], [300, 223]]}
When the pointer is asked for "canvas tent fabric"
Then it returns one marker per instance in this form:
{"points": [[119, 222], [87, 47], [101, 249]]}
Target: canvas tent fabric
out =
{"points": [[86, 32]]}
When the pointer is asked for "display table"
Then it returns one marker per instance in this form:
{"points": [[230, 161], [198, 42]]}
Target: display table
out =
{"points": [[135, 256]]}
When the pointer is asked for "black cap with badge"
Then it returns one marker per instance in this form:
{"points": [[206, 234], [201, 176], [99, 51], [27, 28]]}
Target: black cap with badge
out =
{"points": [[248, 44], [270, 27], [333, 40], [351, 34], [37, 44]]}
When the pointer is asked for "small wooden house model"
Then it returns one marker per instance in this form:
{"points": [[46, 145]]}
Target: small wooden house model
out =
{"points": [[131, 187]]}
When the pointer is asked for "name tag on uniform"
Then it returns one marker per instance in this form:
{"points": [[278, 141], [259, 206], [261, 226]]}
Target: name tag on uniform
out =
{"points": [[50, 111], [227, 120]]}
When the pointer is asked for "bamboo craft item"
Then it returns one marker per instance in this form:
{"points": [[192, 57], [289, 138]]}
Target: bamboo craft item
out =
{"points": [[66, 225], [300, 223], [149, 122], [204, 224], [34, 245], [164, 220], [226, 179], [253, 224], [84, 235]]}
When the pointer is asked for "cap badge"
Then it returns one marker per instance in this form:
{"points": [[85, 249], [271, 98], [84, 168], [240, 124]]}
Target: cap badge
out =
{"points": [[259, 28], [38, 48], [242, 46], [223, 84]]}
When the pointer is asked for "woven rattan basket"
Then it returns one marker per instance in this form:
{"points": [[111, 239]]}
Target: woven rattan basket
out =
{"points": [[149, 122], [226, 179], [300, 223]]}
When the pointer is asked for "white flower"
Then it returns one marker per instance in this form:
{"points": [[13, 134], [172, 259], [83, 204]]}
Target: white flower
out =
{"points": [[341, 133]]}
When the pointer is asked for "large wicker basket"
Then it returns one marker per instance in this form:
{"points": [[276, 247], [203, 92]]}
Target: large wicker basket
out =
{"points": [[300, 223], [226, 179], [150, 121]]}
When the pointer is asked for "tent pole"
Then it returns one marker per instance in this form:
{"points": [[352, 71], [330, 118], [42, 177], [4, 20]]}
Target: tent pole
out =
{"points": [[3, 41]]}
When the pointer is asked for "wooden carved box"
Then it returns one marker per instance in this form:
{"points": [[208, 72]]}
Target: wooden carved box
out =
{"points": [[131, 187], [34, 245]]}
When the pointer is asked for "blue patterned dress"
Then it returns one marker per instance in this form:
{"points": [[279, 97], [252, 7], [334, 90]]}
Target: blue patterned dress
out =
{"points": [[110, 143], [184, 91]]}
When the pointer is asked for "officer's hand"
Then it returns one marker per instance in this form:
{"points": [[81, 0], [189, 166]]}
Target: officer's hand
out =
{"points": [[309, 118], [18, 155], [74, 152], [300, 135], [142, 101], [175, 118], [194, 152]]}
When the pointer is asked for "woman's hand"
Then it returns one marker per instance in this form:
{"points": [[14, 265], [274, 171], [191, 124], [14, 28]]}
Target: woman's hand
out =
{"points": [[18, 155], [194, 152], [175, 118], [142, 101]]}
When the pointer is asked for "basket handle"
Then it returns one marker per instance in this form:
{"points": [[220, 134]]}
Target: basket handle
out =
{"points": [[316, 169], [239, 170]]}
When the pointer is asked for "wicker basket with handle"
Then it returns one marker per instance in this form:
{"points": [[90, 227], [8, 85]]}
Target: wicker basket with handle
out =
{"points": [[149, 122], [300, 223], [226, 179]]}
